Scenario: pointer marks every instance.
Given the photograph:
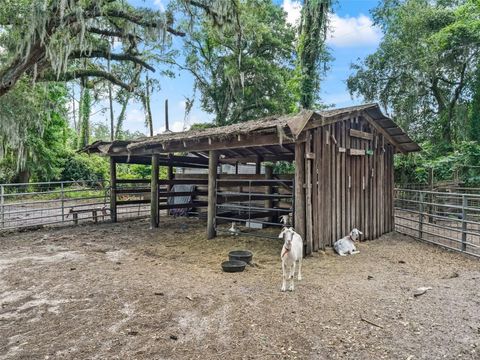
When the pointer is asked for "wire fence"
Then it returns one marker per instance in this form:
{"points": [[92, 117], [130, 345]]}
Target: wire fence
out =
{"points": [[446, 218], [449, 218], [32, 205], [253, 203]]}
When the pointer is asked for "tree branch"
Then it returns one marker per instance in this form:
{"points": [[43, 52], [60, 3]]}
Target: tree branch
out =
{"points": [[112, 56], [77, 74], [139, 20], [111, 33]]}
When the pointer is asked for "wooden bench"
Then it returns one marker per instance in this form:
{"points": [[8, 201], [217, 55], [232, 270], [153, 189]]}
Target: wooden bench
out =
{"points": [[74, 212]]}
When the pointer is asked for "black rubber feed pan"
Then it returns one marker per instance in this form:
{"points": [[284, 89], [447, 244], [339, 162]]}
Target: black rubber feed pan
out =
{"points": [[234, 266], [242, 255]]}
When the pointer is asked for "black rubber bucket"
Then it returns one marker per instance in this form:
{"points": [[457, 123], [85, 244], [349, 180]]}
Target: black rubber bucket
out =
{"points": [[242, 255], [233, 266]]}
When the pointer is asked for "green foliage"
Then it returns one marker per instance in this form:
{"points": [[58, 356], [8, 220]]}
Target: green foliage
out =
{"points": [[85, 109], [84, 167], [202, 126], [243, 72], [284, 167], [474, 115], [35, 142], [137, 171], [463, 161], [423, 69], [311, 49]]}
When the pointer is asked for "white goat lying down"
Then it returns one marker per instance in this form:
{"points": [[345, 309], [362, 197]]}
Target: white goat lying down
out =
{"points": [[346, 245], [292, 252]]}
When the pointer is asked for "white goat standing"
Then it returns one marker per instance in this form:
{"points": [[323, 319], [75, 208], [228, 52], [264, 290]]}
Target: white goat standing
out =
{"points": [[292, 252], [346, 245]]}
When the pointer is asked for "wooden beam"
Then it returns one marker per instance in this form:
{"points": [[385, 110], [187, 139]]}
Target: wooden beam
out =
{"points": [[154, 218], [299, 190], [163, 160], [219, 144], [289, 147], [361, 134], [258, 166], [318, 120], [212, 196], [252, 159], [383, 132], [113, 189]]}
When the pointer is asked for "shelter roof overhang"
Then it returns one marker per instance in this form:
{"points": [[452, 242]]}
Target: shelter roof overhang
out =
{"points": [[267, 139]]}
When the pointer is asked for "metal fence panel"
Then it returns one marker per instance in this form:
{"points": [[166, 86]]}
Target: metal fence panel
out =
{"points": [[446, 218], [32, 205]]}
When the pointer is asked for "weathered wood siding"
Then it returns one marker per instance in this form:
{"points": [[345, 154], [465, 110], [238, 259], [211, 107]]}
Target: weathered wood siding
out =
{"points": [[352, 181]]}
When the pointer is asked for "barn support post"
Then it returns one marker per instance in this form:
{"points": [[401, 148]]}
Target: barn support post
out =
{"points": [[308, 194], [113, 189], [269, 201], [258, 166], [299, 188], [169, 177], [212, 196], [154, 213]]}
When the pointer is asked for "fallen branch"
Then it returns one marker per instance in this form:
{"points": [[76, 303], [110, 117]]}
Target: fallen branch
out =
{"points": [[371, 323]]}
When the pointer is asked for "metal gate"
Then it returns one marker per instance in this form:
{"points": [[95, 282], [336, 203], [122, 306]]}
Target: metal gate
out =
{"points": [[242, 202]]}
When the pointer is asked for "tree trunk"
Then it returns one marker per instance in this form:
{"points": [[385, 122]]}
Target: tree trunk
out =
{"points": [[445, 114], [23, 177], [121, 118], [110, 100], [85, 118], [147, 106], [474, 128]]}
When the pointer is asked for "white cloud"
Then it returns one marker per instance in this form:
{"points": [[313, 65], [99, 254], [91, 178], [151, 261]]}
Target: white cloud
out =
{"points": [[344, 31], [159, 4], [353, 31], [178, 125], [135, 115], [293, 10]]}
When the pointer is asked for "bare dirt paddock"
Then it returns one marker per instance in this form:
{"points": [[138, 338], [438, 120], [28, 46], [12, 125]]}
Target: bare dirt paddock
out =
{"points": [[124, 292]]}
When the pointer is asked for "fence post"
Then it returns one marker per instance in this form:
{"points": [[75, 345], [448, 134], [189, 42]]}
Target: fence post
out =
{"points": [[63, 201], [464, 222], [2, 202], [420, 215]]}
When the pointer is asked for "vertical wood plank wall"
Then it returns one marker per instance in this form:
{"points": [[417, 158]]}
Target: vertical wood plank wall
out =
{"points": [[350, 190]]}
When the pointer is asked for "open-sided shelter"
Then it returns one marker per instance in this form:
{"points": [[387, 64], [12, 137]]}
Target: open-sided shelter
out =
{"points": [[343, 169]]}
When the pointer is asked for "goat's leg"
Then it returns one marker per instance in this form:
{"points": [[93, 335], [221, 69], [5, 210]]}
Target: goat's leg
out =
{"points": [[284, 282], [300, 269], [292, 276]]}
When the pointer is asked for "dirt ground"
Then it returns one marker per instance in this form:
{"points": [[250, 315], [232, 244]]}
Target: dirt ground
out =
{"points": [[125, 292]]}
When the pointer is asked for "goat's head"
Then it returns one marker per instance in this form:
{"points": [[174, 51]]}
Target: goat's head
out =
{"points": [[287, 235], [355, 234]]}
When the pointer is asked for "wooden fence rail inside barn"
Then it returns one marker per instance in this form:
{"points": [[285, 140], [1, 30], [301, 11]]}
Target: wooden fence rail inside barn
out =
{"points": [[449, 219]]}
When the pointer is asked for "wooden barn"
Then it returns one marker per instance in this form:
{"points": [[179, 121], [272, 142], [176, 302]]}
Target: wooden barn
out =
{"points": [[343, 172]]}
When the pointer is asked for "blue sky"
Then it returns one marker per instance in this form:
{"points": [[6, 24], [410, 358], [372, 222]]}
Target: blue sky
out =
{"points": [[352, 36]]}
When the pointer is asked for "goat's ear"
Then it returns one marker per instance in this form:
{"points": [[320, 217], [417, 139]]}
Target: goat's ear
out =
{"points": [[281, 234], [359, 232]]}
